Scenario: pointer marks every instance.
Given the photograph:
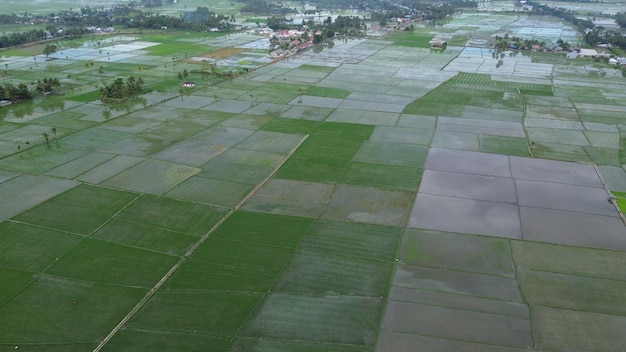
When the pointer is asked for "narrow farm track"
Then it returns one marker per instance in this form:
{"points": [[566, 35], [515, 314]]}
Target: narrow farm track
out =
{"points": [[180, 262]]}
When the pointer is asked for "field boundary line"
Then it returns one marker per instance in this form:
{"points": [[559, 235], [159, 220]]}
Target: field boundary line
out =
{"points": [[191, 250]]}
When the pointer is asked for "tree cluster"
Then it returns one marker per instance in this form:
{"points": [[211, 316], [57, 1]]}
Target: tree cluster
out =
{"points": [[47, 85], [8, 91], [122, 90], [620, 18], [18, 38], [262, 7]]}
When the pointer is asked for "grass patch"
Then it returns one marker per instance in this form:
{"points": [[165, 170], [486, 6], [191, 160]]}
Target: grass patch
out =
{"points": [[90, 207]]}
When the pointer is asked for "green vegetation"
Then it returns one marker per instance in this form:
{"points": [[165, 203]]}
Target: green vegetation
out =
{"points": [[119, 89], [328, 253]]}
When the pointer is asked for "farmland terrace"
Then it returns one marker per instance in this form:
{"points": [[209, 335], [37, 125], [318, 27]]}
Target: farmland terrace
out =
{"points": [[372, 196]]}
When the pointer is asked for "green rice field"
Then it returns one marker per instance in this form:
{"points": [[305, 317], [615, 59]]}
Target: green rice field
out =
{"points": [[372, 196]]}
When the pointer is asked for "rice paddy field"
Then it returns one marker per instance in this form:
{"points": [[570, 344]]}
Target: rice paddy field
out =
{"points": [[373, 196]]}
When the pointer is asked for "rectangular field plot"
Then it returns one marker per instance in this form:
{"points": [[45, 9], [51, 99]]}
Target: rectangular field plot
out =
{"points": [[263, 229], [174, 215], [567, 330], [597, 263], [271, 142], [456, 301], [290, 125], [13, 281], [90, 207], [402, 135], [457, 252], [390, 153], [94, 138], [365, 117], [97, 309], [456, 324], [256, 117], [573, 292], [247, 256], [332, 319], [194, 275], [26, 191], [209, 191], [106, 262], [40, 159], [217, 313], [297, 191], [311, 169], [145, 236], [457, 282], [382, 176], [32, 248], [190, 153], [397, 342], [369, 205], [152, 176], [140, 340], [329, 147], [503, 145], [352, 240], [79, 166], [264, 345], [241, 166], [323, 274]]}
